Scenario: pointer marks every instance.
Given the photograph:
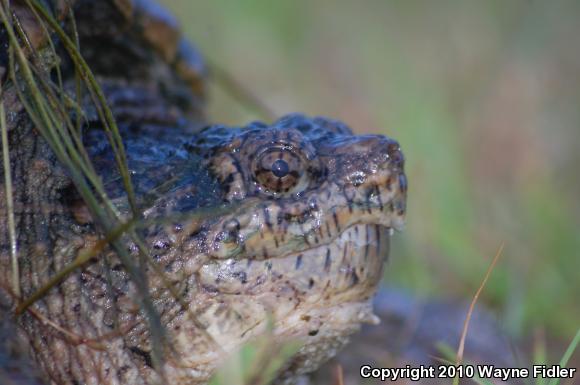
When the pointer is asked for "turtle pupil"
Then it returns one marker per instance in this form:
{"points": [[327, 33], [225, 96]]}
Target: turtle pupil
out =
{"points": [[280, 168]]}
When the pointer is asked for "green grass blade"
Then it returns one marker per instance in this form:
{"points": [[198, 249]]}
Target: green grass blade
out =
{"points": [[102, 107], [9, 203], [567, 354], [42, 112], [539, 355]]}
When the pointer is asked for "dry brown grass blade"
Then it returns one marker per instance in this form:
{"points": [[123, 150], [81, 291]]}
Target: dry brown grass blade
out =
{"points": [[461, 348], [339, 378]]}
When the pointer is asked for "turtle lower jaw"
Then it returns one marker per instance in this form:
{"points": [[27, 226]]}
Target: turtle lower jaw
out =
{"points": [[319, 297], [297, 291]]}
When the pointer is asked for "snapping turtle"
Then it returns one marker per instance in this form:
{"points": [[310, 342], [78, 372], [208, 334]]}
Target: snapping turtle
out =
{"points": [[235, 229]]}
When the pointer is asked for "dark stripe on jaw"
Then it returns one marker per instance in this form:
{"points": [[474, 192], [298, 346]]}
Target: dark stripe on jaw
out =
{"points": [[327, 261], [298, 262], [267, 218], [367, 242], [320, 232], [378, 235], [379, 197], [283, 233], [348, 200], [354, 277], [335, 217], [328, 229], [368, 194]]}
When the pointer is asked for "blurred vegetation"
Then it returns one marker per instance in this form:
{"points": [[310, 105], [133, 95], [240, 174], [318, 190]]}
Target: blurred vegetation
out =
{"points": [[483, 97]]}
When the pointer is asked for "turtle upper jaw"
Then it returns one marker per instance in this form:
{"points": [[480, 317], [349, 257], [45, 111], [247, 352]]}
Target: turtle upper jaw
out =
{"points": [[261, 229]]}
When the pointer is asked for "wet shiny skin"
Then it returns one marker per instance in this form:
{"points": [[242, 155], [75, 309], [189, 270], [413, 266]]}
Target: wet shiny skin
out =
{"points": [[308, 250], [304, 248]]}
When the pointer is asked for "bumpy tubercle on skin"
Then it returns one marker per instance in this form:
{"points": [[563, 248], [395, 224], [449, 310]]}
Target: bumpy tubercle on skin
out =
{"points": [[312, 297], [310, 262], [322, 267]]}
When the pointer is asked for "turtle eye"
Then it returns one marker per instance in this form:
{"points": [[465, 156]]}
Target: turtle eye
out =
{"points": [[280, 168], [279, 171]]}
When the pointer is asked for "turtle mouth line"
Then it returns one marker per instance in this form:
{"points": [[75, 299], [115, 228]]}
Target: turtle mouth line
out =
{"points": [[351, 262]]}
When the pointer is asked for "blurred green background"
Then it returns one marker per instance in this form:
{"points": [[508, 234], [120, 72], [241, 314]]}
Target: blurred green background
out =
{"points": [[484, 98]]}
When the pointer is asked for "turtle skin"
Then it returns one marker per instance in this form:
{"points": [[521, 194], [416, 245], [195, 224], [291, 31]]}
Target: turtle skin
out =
{"points": [[278, 229]]}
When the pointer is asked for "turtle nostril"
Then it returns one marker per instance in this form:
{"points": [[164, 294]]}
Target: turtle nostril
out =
{"points": [[280, 168], [395, 153]]}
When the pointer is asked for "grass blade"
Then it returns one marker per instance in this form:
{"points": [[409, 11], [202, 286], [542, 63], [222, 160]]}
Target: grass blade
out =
{"points": [[461, 347], [102, 107], [9, 203], [568, 354]]}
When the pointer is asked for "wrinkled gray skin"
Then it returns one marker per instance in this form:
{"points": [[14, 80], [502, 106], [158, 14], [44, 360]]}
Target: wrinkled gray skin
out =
{"points": [[301, 215]]}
